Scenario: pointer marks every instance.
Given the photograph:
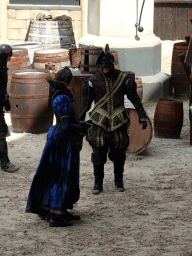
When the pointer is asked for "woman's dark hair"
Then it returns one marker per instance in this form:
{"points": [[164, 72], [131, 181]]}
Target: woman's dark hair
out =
{"points": [[62, 79], [64, 75]]}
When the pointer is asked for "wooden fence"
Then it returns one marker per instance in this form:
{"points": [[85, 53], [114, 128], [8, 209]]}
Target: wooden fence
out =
{"points": [[172, 19]]}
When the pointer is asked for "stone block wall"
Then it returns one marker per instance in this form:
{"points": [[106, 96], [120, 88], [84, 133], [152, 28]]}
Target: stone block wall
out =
{"points": [[19, 20]]}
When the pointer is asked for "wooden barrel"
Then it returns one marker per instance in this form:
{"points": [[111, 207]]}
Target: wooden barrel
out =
{"points": [[30, 46], [31, 107], [179, 79], [75, 56], [57, 33], [115, 54], [23, 53], [76, 86], [139, 87], [89, 56], [139, 139], [168, 118], [58, 57], [13, 65]]}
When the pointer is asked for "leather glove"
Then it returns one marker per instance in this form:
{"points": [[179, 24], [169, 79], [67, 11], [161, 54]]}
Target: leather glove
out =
{"points": [[144, 124], [85, 126], [6, 102], [7, 106], [79, 128], [88, 124], [6, 97]]}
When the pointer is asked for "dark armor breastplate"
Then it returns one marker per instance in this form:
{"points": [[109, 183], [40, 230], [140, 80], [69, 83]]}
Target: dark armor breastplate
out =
{"points": [[109, 112]]}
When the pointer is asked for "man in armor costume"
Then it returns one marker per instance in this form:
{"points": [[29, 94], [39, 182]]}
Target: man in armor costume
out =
{"points": [[110, 120], [5, 55]]}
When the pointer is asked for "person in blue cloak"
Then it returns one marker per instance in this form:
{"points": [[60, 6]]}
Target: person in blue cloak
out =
{"points": [[55, 187]]}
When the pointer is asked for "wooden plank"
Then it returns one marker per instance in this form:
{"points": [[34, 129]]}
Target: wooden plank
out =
{"points": [[173, 27], [181, 23], [178, 25], [189, 18], [163, 23], [157, 21], [160, 22], [156, 30], [184, 22], [168, 23]]}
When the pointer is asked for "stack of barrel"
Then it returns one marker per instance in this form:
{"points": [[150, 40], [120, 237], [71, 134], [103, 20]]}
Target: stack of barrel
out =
{"points": [[47, 49], [50, 47], [168, 119]]}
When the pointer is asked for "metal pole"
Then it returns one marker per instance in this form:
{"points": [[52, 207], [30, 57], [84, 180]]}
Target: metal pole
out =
{"points": [[136, 24]]}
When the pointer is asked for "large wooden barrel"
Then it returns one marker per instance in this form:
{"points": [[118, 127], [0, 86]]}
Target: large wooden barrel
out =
{"points": [[179, 79], [57, 33], [168, 118], [31, 107], [58, 57], [23, 53], [13, 65], [30, 46], [89, 56]]}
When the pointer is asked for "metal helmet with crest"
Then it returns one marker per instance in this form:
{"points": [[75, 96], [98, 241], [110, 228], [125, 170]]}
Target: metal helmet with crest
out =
{"points": [[107, 56]]}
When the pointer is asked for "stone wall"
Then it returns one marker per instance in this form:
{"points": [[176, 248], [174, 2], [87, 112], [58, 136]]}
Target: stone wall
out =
{"points": [[19, 20]]}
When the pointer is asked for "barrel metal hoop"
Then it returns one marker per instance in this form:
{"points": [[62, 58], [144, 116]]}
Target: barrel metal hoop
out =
{"points": [[47, 36], [53, 60]]}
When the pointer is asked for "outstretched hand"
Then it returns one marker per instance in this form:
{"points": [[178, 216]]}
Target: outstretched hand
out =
{"points": [[86, 126], [144, 124], [7, 106], [7, 102]]}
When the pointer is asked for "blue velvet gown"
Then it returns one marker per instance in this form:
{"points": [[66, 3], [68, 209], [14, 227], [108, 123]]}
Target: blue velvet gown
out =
{"points": [[55, 186]]}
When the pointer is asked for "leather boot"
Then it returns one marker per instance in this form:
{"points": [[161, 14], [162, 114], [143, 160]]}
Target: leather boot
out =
{"points": [[3, 152], [99, 175], [6, 165], [118, 173], [57, 221]]}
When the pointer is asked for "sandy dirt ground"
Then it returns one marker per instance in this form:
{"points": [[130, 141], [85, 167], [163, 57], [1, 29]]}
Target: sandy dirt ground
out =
{"points": [[153, 217]]}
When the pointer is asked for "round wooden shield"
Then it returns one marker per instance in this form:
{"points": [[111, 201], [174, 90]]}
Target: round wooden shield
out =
{"points": [[139, 139]]}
